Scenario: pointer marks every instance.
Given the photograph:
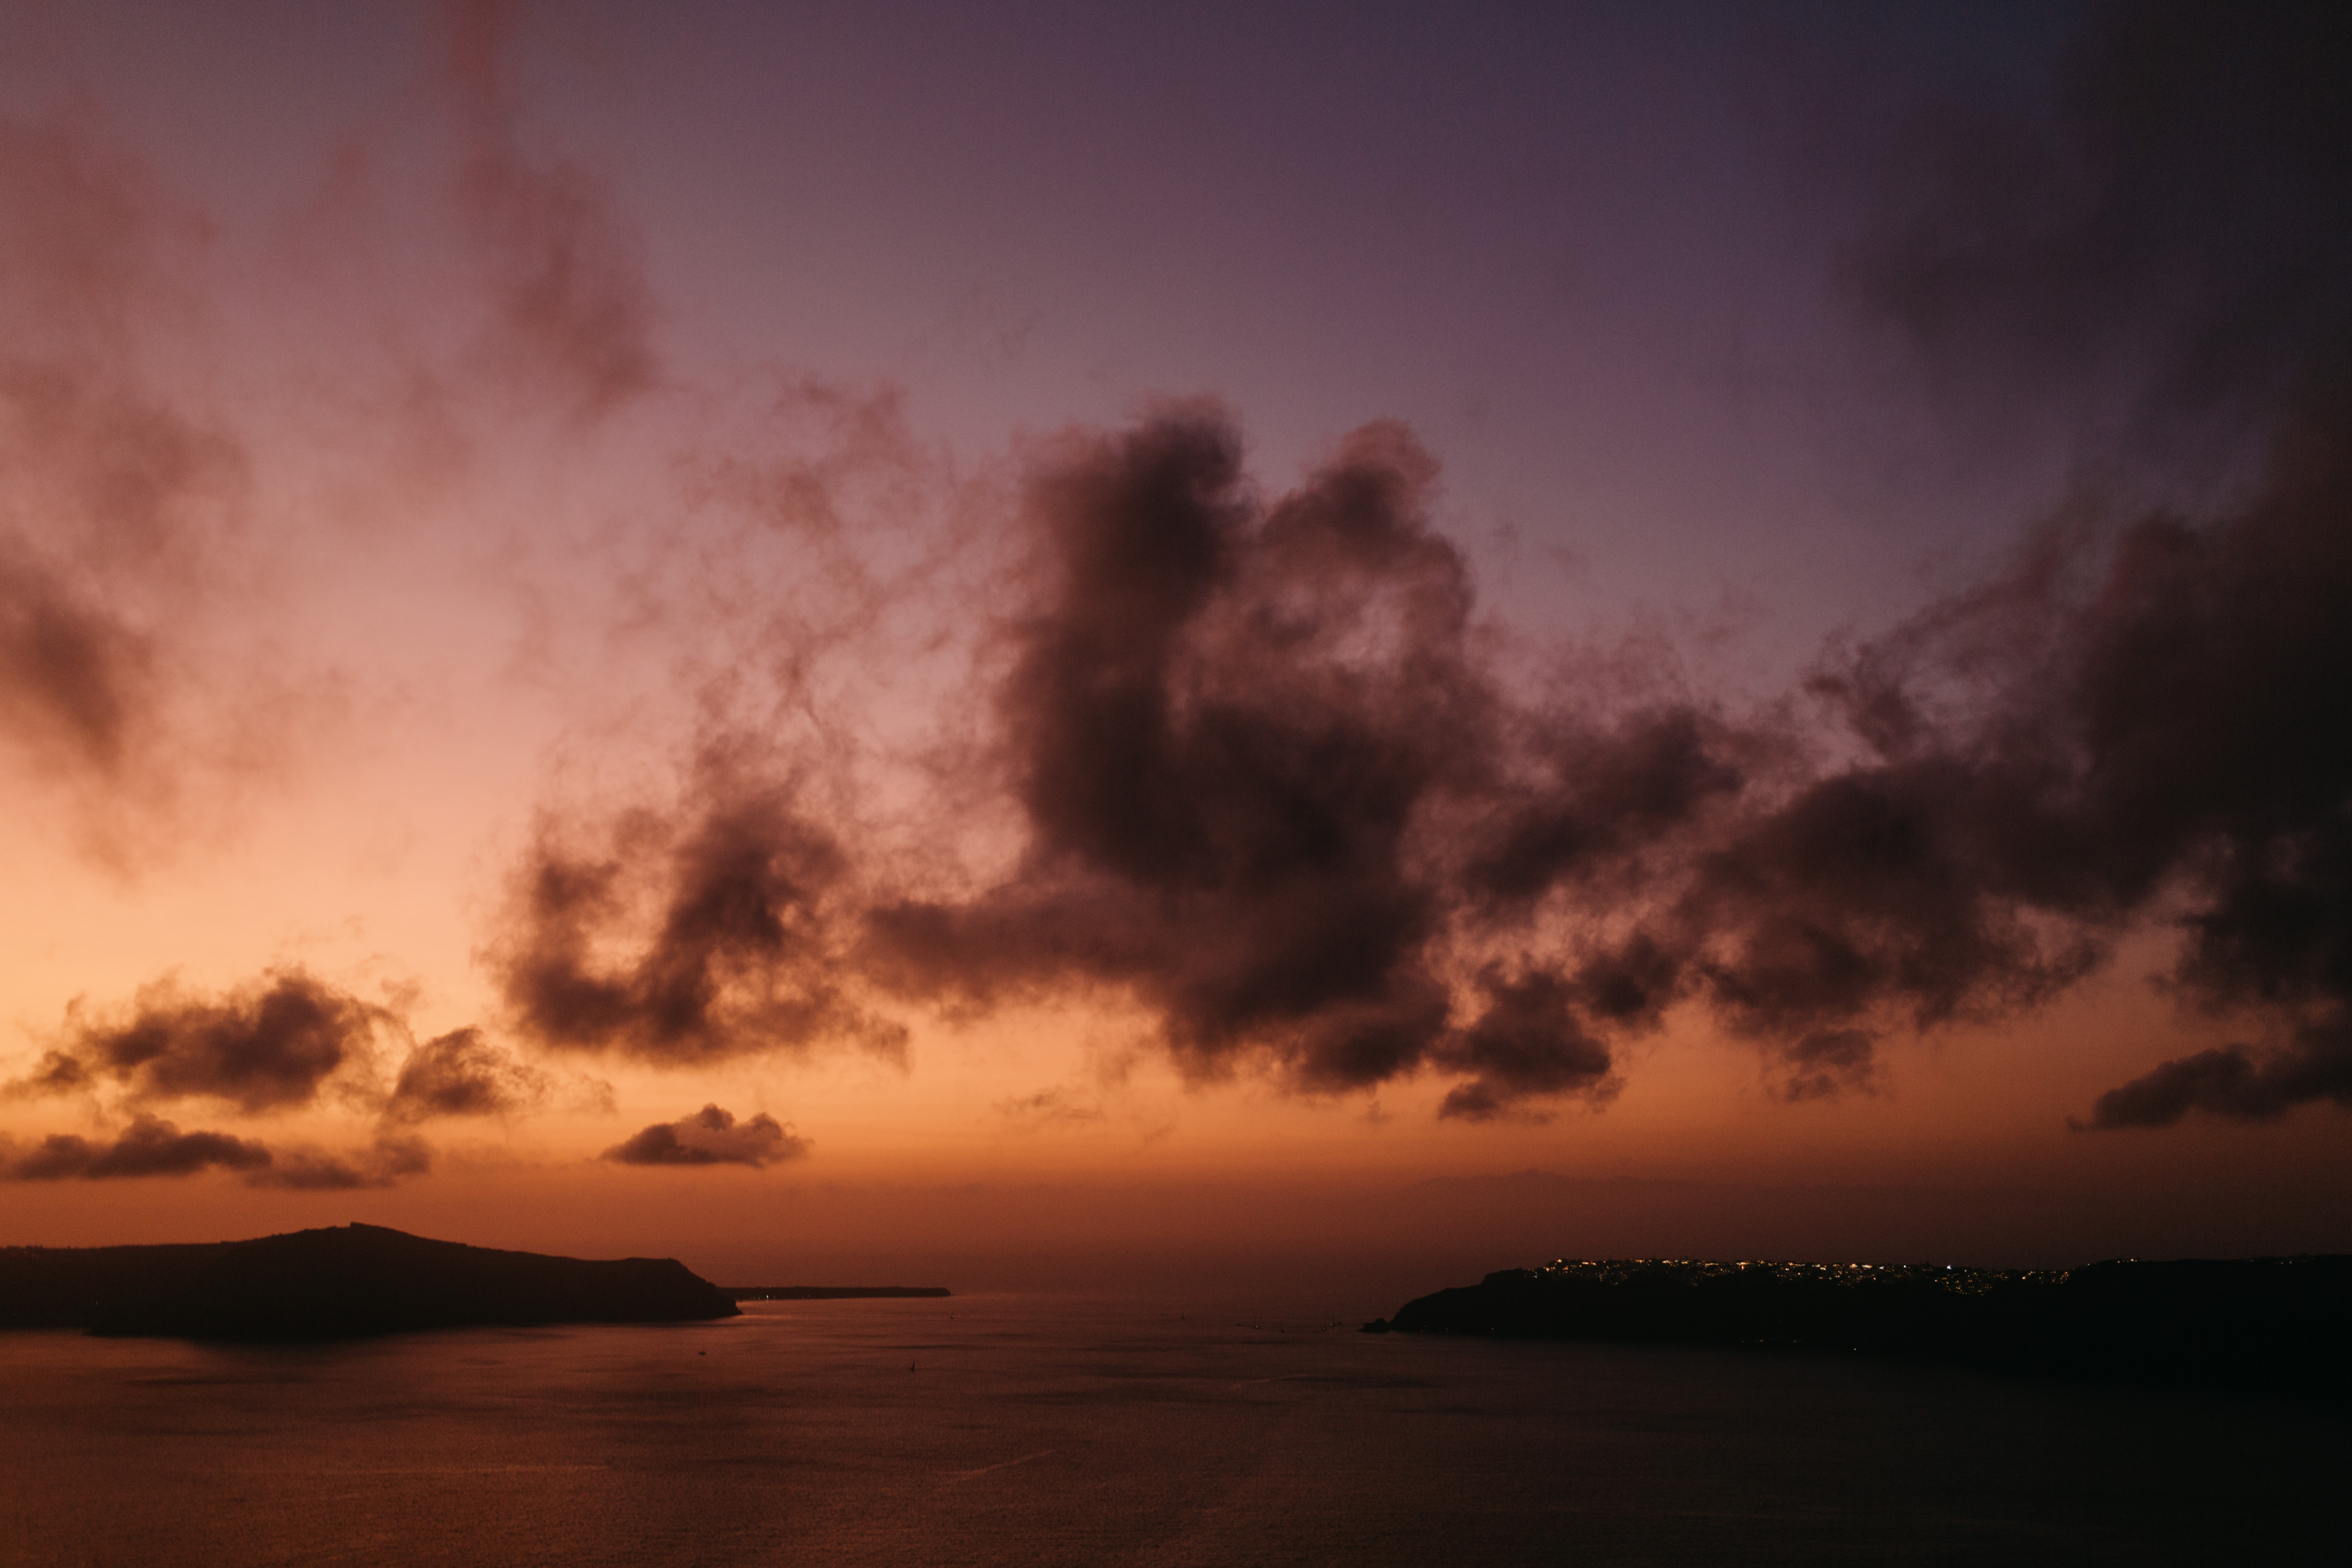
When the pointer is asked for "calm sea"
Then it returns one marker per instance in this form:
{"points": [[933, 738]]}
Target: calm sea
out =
{"points": [[1010, 1429]]}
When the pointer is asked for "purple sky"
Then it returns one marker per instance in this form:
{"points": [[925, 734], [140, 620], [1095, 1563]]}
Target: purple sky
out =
{"points": [[820, 562]]}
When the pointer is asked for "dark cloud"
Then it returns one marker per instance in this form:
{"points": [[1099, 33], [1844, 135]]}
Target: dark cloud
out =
{"points": [[572, 297], [1589, 798], [268, 1046], [151, 1147], [148, 1147], [1895, 891], [710, 1137], [461, 1074], [2234, 1082], [686, 938], [2118, 727], [1275, 796], [2153, 715], [1270, 783], [381, 1166], [1530, 1042], [75, 682], [1274, 793]]}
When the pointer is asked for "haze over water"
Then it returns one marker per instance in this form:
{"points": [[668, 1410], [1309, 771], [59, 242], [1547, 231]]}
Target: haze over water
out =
{"points": [[1031, 1429]]}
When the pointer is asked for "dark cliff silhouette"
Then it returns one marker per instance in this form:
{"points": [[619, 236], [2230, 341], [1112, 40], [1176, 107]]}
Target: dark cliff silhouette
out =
{"points": [[2275, 1324], [827, 1292], [342, 1283]]}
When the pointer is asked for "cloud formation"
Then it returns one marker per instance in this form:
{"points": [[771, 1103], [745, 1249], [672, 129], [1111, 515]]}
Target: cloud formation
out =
{"points": [[1272, 787], [2118, 732], [2181, 217], [2170, 215], [461, 1074], [382, 1165], [687, 937], [148, 1147], [572, 303], [113, 495], [152, 1147], [710, 1137], [75, 682], [270, 1045], [1276, 795], [2236, 1082], [1270, 784], [1530, 1042]]}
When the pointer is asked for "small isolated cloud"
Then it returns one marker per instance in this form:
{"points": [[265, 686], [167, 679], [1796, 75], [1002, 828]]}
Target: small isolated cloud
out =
{"points": [[148, 1147], [711, 1137], [461, 1074], [1048, 1107]]}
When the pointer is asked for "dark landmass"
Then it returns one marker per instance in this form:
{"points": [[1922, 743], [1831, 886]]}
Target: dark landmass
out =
{"points": [[344, 1283], [2273, 1324], [824, 1292]]}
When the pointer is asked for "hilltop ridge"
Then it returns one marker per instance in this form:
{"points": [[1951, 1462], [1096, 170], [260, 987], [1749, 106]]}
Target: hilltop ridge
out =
{"points": [[339, 1283], [2269, 1323]]}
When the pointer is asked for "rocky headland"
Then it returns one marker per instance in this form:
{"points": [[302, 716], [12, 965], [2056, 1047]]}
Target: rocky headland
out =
{"points": [[2272, 1325], [339, 1283]]}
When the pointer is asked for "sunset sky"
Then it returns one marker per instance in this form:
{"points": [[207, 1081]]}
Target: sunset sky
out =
{"points": [[964, 640]]}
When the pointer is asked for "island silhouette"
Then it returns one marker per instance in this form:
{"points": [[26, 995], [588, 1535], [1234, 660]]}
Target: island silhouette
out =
{"points": [[2270, 1324], [829, 1292], [341, 1282]]}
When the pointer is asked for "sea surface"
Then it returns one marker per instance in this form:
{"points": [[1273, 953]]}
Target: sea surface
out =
{"points": [[1039, 1430]]}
